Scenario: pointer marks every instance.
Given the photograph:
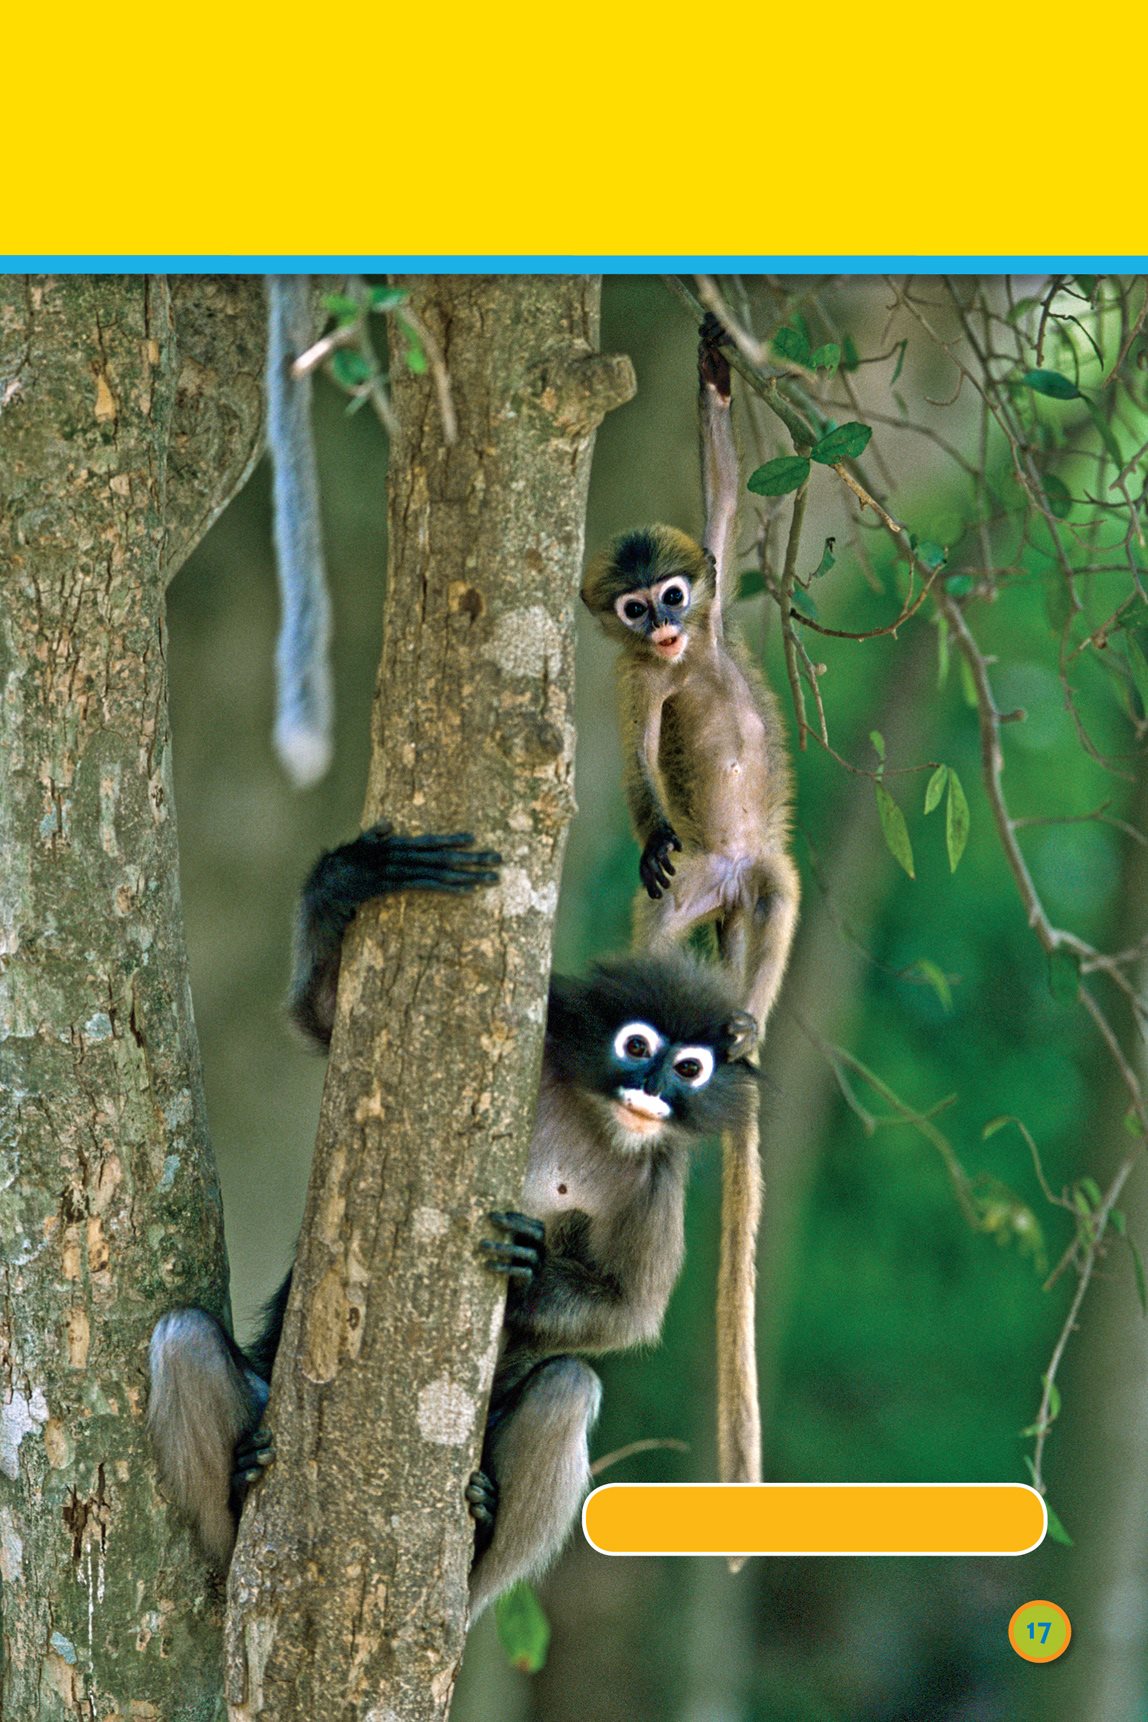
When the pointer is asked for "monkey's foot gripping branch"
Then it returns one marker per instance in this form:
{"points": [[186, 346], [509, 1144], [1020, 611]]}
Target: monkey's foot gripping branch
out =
{"points": [[481, 1494], [253, 1453]]}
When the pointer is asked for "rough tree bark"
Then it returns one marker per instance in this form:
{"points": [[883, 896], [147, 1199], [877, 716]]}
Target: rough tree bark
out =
{"points": [[130, 411], [348, 1586]]}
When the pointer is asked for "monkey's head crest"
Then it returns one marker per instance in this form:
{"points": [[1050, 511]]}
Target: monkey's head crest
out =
{"points": [[651, 587]]}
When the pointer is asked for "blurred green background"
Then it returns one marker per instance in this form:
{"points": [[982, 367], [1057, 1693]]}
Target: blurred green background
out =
{"points": [[897, 1343]]}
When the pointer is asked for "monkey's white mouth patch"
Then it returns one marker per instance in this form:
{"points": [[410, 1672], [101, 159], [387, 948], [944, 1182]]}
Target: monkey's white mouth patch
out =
{"points": [[641, 1112], [670, 649]]}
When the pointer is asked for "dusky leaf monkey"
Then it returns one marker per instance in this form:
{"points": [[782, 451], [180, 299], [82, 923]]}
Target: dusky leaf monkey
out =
{"points": [[642, 1060], [708, 783]]}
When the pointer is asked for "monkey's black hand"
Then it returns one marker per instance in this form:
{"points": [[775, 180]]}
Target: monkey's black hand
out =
{"points": [[381, 861], [482, 1500], [521, 1258], [713, 366], [253, 1453], [655, 867]]}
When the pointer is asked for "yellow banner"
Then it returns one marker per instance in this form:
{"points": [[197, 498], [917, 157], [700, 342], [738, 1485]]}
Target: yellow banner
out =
{"points": [[589, 133]]}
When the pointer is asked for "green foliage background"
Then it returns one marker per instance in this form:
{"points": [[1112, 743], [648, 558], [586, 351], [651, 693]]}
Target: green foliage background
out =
{"points": [[898, 1343]]}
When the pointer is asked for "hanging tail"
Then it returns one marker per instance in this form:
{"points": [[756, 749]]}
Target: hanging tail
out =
{"points": [[304, 718], [739, 1415]]}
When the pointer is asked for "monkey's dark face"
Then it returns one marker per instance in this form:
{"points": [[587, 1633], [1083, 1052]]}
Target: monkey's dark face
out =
{"points": [[657, 614], [650, 588], [654, 1080], [658, 1045]]}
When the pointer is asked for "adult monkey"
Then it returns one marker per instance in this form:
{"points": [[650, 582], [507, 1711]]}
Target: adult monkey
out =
{"points": [[643, 1060], [708, 780]]}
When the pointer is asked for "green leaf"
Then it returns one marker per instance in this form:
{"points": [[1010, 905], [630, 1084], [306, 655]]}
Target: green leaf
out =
{"points": [[1092, 1190], [935, 787], [844, 443], [1056, 1530], [1053, 1398], [956, 821], [1118, 1222], [776, 477], [900, 349], [342, 307], [1021, 310], [1063, 975], [878, 741], [1104, 429], [388, 298], [850, 357], [1087, 284], [942, 649], [751, 584], [828, 560], [1053, 384], [826, 358], [804, 603], [933, 555], [1057, 495], [1138, 1269], [350, 369], [792, 344], [523, 1628], [895, 830], [937, 979], [968, 685], [959, 585], [415, 357]]}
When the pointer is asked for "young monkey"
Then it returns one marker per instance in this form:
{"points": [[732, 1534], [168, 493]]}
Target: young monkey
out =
{"points": [[708, 780]]}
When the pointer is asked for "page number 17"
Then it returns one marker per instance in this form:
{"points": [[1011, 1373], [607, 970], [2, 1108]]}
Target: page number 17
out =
{"points": [[1045, 1628]]}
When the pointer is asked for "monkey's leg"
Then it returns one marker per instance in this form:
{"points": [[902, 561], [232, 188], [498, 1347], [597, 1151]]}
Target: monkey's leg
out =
{"points": [[768, 916], [695, 896], [204, 1400], [537, 1457], [344, 879]]}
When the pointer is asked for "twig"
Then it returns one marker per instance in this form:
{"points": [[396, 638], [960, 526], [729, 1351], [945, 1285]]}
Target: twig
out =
{"points": [[627, 1452]]}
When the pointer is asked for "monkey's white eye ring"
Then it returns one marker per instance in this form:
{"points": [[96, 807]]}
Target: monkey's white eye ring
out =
{"points": [[630, 608], [673, 594], [636, 1042], [695, 1065]]}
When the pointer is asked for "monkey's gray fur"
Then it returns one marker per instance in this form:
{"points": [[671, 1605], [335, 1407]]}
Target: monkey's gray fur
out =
{"points": [[642, 1060]]}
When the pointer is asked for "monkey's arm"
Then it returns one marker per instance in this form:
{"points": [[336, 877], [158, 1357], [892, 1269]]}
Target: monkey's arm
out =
{"points": [[641, 742], [720, 476], [592, 1287], [345, 878]]}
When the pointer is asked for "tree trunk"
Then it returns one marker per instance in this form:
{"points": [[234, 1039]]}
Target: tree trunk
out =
{"points": [[348, 1587], [130, 411]]}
